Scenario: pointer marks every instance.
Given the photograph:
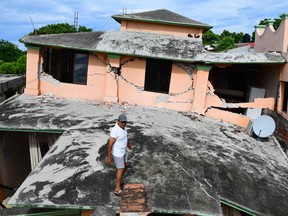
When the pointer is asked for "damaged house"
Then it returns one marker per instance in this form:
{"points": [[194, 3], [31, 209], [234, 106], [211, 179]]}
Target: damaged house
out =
{"points": [[156, 59], [189, 164]]}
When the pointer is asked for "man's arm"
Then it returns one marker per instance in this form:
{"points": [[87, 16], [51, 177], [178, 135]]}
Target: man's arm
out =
{"points": [[130, 146], [110, 145]]}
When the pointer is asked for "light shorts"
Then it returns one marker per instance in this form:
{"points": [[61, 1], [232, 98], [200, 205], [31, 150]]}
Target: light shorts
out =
{"points": [[120, 161]]}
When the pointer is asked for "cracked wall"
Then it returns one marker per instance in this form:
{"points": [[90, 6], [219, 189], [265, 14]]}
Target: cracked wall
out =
{"points": [[94, 90], [214, 106], [121, 79], [132, 81], [112, 78]]}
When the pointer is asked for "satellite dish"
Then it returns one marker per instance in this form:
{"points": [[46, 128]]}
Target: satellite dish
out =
{"points": [[263, 126]]}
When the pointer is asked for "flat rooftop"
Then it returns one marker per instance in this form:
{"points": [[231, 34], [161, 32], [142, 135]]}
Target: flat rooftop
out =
{"points": [[187, 163]]}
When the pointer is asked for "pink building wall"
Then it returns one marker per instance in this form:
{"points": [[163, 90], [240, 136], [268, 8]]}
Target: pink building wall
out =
{"points": [[131, 88], [32, 68], [160, 28], [268, 39], [94, 90]]}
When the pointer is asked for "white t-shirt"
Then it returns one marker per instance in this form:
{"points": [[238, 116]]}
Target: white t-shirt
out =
{"points": [[120, 145]]}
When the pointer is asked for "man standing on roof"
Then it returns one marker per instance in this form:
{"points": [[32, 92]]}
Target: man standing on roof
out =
{"points": [[117, 145]]}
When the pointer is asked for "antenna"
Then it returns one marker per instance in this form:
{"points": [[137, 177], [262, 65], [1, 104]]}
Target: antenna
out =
{"points": [[76, 21], [263, 126], [34, 30]]}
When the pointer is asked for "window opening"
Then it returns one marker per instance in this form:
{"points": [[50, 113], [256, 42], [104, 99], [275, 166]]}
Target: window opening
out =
{"points": [[68, 66], [16, 158], [80, 68], [234, 83], [158, 75]]}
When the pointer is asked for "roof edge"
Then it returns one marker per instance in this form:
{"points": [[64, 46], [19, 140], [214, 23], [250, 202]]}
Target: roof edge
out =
{"points": [[119, 19], [112, 53], [239, 207], [56, 131]]}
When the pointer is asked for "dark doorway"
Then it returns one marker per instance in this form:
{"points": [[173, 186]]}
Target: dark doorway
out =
{"points": [[15, 156], [158, 75]]}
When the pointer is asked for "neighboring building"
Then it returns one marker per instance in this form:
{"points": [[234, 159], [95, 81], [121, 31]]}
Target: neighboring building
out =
{"points": [[267, 39], [10, 84], [156, 59]]}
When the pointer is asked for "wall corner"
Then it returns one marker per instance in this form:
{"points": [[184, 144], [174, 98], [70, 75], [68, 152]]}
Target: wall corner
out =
{"points": [[201, 87]]}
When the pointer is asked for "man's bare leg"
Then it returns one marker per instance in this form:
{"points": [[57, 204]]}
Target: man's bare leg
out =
{"points": [[119, 175]]}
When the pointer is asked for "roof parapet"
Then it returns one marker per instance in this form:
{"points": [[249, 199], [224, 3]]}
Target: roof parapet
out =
{"points": [[260, 29], [269, 24]]}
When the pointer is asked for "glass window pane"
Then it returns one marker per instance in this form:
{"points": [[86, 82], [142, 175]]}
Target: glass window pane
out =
{"points": [[80, 68]]}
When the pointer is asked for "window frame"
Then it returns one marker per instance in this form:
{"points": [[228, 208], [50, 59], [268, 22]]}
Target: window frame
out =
{"points": [[62, 64], [158, 75]]}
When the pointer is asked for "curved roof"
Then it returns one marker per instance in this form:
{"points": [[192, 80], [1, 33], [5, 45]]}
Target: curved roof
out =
{"points": [[148, 45], [188, 164], [129, 43]]}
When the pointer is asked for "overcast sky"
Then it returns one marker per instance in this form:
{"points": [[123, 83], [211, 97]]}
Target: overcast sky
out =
{"points": [[234, 16]]}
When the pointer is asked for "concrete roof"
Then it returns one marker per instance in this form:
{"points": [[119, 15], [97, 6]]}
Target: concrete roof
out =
{"points": [[147, 45], [129, 43], [161, 16], [187, 163], [240, 58]]}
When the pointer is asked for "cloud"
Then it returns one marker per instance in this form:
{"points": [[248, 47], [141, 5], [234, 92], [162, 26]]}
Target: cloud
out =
{"points": [[226, 14]]}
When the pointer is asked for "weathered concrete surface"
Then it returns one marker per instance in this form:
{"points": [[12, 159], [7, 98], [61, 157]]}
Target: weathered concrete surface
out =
{"points": [[152, 45], [185, 162], [10, 82], [128, 43], [252, 58]]}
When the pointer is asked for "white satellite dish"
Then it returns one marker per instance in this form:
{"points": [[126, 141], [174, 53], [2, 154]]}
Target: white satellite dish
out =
{"points": [[263, 126]]}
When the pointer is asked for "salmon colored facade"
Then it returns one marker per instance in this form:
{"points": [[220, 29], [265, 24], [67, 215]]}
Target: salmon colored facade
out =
{"points": [[190, 88], [160, 28], [269, 39]]}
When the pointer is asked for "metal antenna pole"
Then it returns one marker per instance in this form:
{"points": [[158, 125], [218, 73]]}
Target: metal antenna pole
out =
{"points": [[76, 21], [34, 30]]}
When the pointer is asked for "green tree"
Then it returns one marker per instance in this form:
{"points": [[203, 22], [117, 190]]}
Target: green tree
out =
{"points": [[59, 29], [237, 37], [225, 33], [226, 40], [16, 67], [20, 65], [8, 68], [225, 43], [209, 37], [84, 29], [9, 52]]}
